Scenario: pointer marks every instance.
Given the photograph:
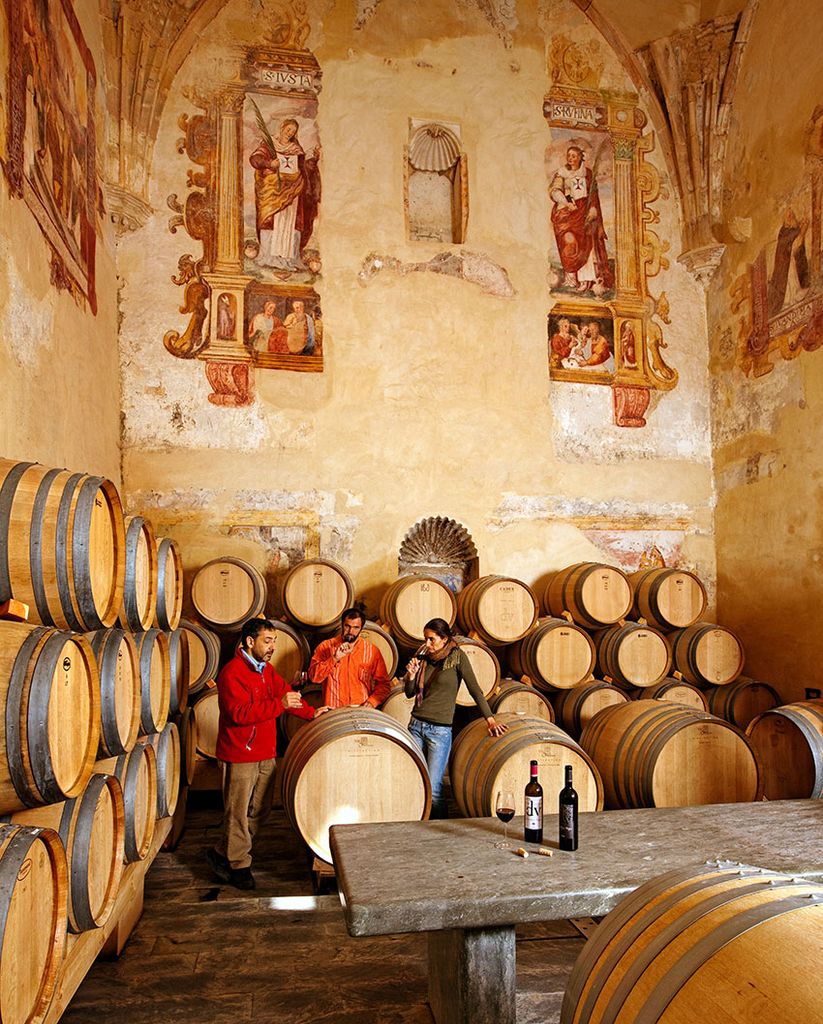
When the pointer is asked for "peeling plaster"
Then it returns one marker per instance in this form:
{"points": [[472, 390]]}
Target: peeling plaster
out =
{"points": [[26, 326], [754, 406], [518, 508], [475, 268]]}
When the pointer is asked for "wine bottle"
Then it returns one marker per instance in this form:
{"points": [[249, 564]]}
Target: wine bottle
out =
{"points": [[533, 820], [568, 814]]}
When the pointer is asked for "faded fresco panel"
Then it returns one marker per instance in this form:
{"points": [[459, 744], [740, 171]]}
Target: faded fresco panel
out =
{"points": [[52, 155]]}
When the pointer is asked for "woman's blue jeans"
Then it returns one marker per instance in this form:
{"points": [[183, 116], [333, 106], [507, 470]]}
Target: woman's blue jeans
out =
{"points": [[435, 741]]}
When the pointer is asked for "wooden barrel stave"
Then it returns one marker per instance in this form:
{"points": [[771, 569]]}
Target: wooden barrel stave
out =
{"points": [[204, 654], [384, 642], [575, 708], [207, 716], [166, 744], [499, 609], [187, 727], [398, 706], [633, 654], [155, 679], [707, 654], [678, 691], [516, 698], [226, 592], [742, 701], [292, 653], [178, 640], [352, 764], [594, 594], [169, 606]]}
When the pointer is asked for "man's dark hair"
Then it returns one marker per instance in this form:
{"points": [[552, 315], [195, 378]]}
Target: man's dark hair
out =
{"points": [[353, 613], [252, 630]]}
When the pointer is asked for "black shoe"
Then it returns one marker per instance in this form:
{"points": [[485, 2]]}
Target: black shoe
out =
{"points": [[242, 878], [219, 865]]}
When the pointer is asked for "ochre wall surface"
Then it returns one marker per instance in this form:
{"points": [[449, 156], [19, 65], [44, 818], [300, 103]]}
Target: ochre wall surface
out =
{"points": [[435, 397], [767, 392], [60, 371]]}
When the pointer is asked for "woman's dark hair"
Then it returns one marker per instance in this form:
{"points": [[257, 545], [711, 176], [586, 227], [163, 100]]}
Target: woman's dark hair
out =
{"points": [[440, 627], [253, 628]]}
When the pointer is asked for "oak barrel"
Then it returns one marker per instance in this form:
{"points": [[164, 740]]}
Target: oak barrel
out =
{"points": [[594, 594], [633, 654], [384, 642], [704, 944], [352, 765], [166, 744], [499, 609], [178, 669], [706, 654], [118, 666], [291, 651], [290, 724], [788, 743], [555, 654], [50, 693], [659, 754], [33, 905], [226, 592], [155, 679], [62, 545], [486, 668], [92, 829], [678, 691], [667, 598], [512, 697], [169, 605], [140, 584], [187, 727], [741, 701], [574, 709], [204, 654], [136, 771], [411, 602], [207, 717], [315, 592], [397, 705], [481, 765]]}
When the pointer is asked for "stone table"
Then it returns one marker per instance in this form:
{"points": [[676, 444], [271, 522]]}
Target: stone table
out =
{"points": [[448, 878]]}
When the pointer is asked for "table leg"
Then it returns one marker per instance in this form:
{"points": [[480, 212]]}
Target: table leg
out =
{"points": [[472, 976]]}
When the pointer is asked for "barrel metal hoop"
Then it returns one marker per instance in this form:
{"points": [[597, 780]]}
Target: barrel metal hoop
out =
{"points": [[161, 752], [671, 983], [813, 738], [81, 555], [127, 770], [14, 699], [7, 493], [161, 609], [81, 849], [133, 532], [38, 721], [146, 649], [107, 656], [62, 553]]}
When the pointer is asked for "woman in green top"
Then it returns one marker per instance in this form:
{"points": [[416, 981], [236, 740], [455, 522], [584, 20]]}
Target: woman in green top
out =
{"points": [[433, 678]]}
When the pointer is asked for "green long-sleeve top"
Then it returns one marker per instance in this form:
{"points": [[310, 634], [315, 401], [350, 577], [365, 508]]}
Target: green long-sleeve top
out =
{"points": [[440, 686]]}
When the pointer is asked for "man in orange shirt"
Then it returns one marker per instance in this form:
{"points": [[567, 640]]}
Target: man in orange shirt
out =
{"points": [[350, 667]]}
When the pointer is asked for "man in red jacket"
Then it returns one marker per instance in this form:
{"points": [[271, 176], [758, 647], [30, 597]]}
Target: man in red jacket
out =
{"points": [[251, 695]]}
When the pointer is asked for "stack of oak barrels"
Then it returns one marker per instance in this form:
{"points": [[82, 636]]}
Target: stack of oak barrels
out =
{"points": [[92, 665]]}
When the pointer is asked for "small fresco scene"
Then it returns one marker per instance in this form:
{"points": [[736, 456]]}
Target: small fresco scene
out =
{"points": [[781, 297], [281, 188], [284, 329], [579, 168], [581, 344], [51, 151]]}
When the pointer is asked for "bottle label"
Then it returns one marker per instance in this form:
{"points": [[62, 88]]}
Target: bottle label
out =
{"points": [[567, 820], [534, 812]]}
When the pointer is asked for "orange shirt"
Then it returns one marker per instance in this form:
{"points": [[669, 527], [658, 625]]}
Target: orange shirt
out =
{"points": [[359, 676]]}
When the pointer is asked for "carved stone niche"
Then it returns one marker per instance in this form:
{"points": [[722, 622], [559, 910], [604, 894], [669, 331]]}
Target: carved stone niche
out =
{"points": [[436, 183], [441, 548]]}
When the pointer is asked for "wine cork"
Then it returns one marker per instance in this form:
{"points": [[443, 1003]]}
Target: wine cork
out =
{"points": [[544, 852], [520, 852]]}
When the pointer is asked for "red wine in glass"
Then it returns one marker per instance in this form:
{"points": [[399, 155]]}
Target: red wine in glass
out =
{"points": [[504, 809]]}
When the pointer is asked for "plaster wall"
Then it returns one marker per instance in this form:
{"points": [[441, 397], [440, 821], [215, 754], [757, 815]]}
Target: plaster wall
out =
{"points": [[435, 398], [60, 378], [768, 423]]}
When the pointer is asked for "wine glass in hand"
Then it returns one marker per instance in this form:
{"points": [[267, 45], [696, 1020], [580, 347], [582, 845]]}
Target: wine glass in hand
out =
{"points": [[504, 808]]}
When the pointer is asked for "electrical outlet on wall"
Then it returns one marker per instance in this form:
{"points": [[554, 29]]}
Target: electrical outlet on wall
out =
{"points": [[812, 693]]}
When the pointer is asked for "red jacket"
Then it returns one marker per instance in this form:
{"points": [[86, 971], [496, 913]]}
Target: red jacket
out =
{"points": [[250, 702]]}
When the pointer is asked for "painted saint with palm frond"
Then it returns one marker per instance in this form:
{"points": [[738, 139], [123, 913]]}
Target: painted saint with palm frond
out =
{"points": [[287, 193]]}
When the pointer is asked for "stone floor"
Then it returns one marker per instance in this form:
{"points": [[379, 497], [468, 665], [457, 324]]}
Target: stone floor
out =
{"points": [[207, 954]]}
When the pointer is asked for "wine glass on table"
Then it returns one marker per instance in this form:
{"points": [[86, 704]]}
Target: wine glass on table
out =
{"points": [[504, 809]]}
